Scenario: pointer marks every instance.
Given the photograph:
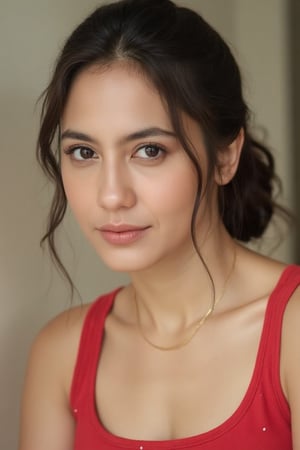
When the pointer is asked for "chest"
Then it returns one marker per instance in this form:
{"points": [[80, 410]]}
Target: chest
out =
{"points": [[143, 393]]}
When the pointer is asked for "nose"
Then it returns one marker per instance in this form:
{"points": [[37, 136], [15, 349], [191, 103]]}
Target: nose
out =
{"points": [[115, 188]]}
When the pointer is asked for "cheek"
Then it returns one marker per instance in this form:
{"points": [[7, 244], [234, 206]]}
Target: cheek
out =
{"points": [[173, 193], [78, 193]]}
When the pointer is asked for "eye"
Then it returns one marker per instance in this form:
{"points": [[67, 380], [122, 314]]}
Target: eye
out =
{"points": [[149, 151], [81, 153]]}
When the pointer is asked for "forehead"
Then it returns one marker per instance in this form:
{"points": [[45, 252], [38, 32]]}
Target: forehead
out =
{"points": [[119, 93]]}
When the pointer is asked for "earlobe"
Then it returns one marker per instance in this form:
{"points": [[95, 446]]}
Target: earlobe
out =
{"points": [[228, 160]]}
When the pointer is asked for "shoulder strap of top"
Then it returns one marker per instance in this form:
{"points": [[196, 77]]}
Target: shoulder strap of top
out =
{"points": [[89, 348], [287, 284]]}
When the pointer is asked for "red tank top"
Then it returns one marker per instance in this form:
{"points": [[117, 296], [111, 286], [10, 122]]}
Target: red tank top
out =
{"points": [[261, 422]]}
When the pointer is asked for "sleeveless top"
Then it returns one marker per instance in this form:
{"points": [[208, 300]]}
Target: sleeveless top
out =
{"points": [[261, 422]]}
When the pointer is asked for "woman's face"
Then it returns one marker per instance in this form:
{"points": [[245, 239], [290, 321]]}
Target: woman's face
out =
{"points": [[127, 179]]}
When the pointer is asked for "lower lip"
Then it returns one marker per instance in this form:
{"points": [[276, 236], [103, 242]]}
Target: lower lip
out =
{"points": [[123, 237]]}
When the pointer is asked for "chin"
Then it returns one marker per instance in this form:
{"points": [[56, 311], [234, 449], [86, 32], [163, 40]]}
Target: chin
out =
{"points": [[128, 261], [120, 260], [126, 267]]}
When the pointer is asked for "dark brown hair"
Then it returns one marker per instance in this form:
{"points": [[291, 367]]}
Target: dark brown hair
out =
{"points": [[194, 71]]}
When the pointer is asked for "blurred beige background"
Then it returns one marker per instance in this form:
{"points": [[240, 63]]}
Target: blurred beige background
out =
{"points": [[31, 33]]}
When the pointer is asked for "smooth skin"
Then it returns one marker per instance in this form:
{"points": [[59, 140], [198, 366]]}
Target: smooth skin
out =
{"points": [[122, 163]]}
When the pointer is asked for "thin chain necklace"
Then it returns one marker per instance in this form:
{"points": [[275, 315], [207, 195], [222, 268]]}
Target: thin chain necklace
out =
{"points": [[200, 322]]}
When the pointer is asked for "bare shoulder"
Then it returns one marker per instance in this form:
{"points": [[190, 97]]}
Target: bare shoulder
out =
{"points": [[257, 274], [59, 340], [291, 338], [291, 320], [47, 384], [290, 362], [64, 325]]}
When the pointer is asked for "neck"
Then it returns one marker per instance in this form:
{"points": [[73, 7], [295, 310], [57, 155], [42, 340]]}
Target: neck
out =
{"points": [[175, 294]]}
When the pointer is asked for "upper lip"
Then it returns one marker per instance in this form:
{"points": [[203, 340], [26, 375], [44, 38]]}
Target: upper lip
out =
{"points": [[121, 227]]}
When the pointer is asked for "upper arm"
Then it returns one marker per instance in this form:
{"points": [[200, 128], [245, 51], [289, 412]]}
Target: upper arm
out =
{"points": [[46, 419], [291, 362]]}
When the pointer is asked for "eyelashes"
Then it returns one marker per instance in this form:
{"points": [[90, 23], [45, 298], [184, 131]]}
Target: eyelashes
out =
{"points": [[150, 151], [81, 153]]}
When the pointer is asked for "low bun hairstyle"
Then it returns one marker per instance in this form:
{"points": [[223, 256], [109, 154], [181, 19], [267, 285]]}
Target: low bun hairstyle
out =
{"points": [[194, 71], [246, 202]]}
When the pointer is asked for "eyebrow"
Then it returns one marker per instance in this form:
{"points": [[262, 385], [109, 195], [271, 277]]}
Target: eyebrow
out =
{"points": [[140, 134], [148, 132], [71, 134]]}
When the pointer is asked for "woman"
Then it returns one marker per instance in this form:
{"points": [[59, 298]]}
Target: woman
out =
{"points": [[156, 161]]}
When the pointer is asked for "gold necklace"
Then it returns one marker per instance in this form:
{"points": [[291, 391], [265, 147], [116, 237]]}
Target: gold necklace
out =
{"points": [[198, 324]]}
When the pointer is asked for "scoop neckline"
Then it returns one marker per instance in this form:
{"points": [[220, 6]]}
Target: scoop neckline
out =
{"points": [[207, 436]]}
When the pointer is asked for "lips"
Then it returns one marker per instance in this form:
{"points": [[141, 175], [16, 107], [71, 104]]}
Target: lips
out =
{"points": [[120, 228], [122, 234]]}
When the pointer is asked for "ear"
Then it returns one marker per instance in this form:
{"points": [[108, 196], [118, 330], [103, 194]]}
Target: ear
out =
{"points": [[228, 160]]}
